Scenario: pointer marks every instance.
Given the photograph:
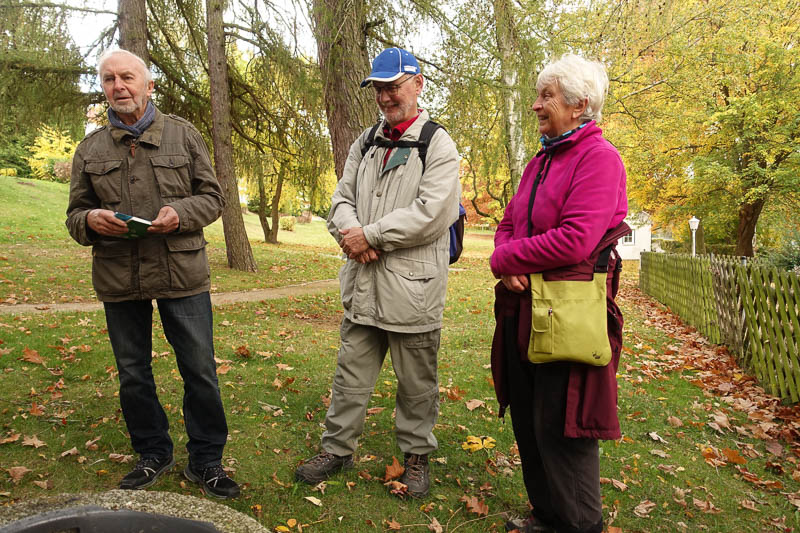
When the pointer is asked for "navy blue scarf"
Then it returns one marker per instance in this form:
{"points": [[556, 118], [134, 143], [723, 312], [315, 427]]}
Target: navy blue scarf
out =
{"points": [[141, 125]]}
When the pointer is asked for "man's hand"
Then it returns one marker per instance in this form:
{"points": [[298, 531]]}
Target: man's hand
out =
{"points": [[515, 282], [353, 242], [366, 257], [104, 222], [166, 221]]}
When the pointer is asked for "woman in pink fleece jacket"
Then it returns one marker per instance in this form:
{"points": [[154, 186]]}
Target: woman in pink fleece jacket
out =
{"points": [[560, 410]]}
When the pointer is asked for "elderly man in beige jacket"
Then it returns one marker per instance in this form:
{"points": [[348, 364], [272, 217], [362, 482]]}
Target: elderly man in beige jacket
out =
{"points": [[390, 213]]}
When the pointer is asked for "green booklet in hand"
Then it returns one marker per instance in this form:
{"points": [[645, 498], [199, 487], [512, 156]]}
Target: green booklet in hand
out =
{"points": [[137, 227]]}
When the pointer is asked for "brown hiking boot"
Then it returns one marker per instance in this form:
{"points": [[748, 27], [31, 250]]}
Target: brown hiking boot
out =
{"points": [[416, 475], [321, 467]]}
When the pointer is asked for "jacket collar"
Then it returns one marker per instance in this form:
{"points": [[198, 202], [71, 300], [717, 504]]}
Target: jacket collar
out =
{"points": [[151, 135], [413, 131], [571, 138]]}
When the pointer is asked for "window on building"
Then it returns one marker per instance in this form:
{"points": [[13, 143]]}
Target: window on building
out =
{"points": [[628, 239]]}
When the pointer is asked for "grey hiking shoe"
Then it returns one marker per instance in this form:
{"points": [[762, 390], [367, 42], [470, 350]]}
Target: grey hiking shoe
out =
{"points": [[416, 475], [321, 467], [146, 472]]}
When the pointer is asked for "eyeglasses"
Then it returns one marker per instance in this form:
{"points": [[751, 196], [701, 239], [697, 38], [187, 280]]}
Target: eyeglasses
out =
{"points": [[391, 90]]}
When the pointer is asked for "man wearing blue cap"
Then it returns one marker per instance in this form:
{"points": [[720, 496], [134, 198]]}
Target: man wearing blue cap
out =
{"points": [[390, 214]]}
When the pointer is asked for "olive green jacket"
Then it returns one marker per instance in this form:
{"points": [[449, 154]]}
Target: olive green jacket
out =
{"points": [[168, 166], [405, 215]]}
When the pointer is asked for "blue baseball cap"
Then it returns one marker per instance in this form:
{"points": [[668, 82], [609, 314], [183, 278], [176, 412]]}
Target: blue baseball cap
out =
{"points": [[391, 64]]}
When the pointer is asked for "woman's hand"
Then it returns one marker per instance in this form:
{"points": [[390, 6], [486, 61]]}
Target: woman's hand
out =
{"points": [[515, 282]]}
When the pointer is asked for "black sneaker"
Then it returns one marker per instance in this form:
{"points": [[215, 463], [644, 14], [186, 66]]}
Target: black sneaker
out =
{"points": [[214, 481], [321, 467], [528, 525], [146, 472], [416, 475]]}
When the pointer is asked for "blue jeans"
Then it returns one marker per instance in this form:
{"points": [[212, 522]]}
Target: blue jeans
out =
{"points": [[188, 325]]}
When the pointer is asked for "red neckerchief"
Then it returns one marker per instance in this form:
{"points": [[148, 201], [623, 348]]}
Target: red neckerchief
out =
{"points": [[394, 134]]}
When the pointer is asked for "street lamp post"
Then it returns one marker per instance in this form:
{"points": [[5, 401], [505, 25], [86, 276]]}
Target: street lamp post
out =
{"points": [[694, 223]]}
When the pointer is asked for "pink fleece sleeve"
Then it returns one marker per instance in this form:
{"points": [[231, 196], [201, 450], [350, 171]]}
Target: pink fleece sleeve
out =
{"points": [[595, 201]]}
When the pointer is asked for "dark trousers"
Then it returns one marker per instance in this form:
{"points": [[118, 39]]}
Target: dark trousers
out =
{"points": [[188, 327], [561, 475]]}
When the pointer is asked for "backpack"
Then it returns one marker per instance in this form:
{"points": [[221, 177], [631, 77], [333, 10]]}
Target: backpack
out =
{"points": [[425, 136]]}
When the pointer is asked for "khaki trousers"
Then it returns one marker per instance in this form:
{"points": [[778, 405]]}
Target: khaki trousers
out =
{"points": [[361, 355]]}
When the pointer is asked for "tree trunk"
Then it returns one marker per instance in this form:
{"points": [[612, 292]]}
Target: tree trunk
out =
{"points": [[276, 201], [748, 218], [240, 255], [132, 22], [507, 45], [262, 208], [339, 28]]}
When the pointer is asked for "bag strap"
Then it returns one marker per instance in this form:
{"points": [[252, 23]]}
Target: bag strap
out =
{"points": [[421, 144]]}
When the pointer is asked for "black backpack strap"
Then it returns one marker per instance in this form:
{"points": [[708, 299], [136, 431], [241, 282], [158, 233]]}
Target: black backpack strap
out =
{"points": [[425, 136], [602, 259], [370, 139]]}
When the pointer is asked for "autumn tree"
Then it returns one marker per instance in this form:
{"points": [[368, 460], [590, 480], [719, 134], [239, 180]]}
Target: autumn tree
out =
{"points": [[340, 31], [240, 255]]}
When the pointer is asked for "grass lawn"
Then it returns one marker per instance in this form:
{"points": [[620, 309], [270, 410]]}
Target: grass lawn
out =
{"points": [[693, 458]]}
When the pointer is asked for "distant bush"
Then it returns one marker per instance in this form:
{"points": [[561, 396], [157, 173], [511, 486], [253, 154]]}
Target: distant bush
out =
{"points": [[14, 153], [8, 171], [788, 256], [721, 249], [287, 223], [52, 147]]}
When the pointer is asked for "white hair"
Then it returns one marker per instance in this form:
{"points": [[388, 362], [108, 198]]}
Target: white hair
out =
{"points": [[579, 79], [105, 56]]}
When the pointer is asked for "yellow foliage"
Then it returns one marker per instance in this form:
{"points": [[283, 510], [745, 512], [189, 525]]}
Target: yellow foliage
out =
{"points": [[8, 171], [51, 152]]}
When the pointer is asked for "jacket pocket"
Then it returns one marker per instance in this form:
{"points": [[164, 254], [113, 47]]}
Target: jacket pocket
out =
{"points": [[112, 267], [172, 175], [188, 265], [402, 295], [106, 178]]}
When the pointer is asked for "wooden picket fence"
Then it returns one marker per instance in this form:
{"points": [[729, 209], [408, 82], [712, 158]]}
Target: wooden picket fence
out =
{"points": [[748, 306]]}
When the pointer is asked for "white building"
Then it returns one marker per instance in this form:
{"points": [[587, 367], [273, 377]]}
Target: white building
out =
{"points": [[631, 246]]}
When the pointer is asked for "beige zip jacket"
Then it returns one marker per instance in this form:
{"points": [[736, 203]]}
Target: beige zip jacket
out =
{"points": [[405, 215], [170, 166]]}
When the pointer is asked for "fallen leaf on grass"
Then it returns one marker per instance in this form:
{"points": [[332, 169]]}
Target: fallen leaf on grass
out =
{"points": [[14, 437], [474, 404], [36, 409], [315, 501], [748, 504], [659, 453], [397, 488], [674, 421], [375, 410], [474, 505], [16, 473], [33, 441], [656, 437], [435, 526], [393, 525], [619, 485], [118, 457], [473, 443], [71, 451], [733, 456], [92, 444], [46, 485], [32, 356], [223, 369], [706, 506], [394, 470], [455, 393], [643, 509]]}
